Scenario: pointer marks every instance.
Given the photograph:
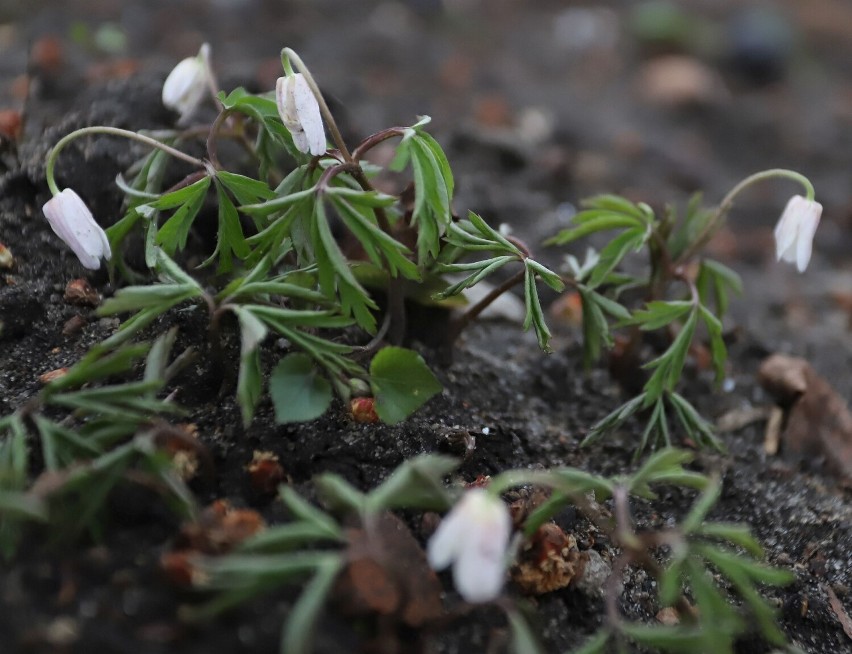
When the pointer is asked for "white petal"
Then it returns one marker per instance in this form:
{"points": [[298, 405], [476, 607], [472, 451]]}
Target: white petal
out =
{"points": [[308, 112], [786, 229], [479, 571], [72, 221], [300, 113], [185, 86], [807, 230], [283, 100], [444, 544]]}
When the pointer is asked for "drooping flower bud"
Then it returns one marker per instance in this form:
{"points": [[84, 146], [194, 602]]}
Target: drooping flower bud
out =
{"points": [[186, 85], [474, 537], [300, 113], [794, 233], [72, 221]]}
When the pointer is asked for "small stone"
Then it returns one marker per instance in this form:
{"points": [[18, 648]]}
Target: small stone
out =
{"points": [[678, 81], [80, 292], [668, 616], [52, 375], [6, 258], [73, 325]]}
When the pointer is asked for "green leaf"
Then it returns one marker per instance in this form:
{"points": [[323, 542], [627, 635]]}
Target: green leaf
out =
{"points": [[299, 393], [596, 644], [611, 255], [250, 379], [173, 233], [547, 276], [339, 494], [230, 238], [523, 638], [658, 314], [307, 512], [739, 535], [718, 351], [374, 240], [22, 505], [669, 365], [696, 516], [416, 484], [297, 635], [593, 221], [676, 638], [401, 383], [245, 189], [535, 315]]}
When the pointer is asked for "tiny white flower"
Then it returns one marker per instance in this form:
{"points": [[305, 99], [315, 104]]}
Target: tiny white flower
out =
{"points": [[300, 113], [72, 221], [473, 537], [186, 85], [794, 234]]}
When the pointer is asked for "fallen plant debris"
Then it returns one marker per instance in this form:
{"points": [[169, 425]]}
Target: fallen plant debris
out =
{"points": [[817, 427]]}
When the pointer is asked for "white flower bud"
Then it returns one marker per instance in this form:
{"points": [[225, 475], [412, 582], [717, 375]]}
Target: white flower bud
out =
{"points": [[186, 85], [794, 233], [473, 537], [72, 221], [300, 113]]}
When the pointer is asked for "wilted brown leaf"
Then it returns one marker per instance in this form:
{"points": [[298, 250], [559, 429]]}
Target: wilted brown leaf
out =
{"points": [[819, 425]]}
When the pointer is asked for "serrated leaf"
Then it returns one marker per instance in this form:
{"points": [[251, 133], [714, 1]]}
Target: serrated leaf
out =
{"points": [[172, 235], [245, 189], [299, 393], [591, 222], [658, 314], [401, 383], [612, 254]]}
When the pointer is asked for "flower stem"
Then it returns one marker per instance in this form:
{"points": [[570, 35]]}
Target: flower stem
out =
{"points": [[288, 56], [728, 201], [53, 155]]}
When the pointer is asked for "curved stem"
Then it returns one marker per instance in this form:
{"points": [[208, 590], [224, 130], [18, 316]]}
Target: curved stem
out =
{"points": [[728, 201], [288, 56], [212, 82], [53, 155], [373, 140], [212, 135]]}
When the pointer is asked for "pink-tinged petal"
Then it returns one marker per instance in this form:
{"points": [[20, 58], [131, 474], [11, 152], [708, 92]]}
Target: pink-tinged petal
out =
{"points": [[479, 571], [71, 220], [308, 112]]}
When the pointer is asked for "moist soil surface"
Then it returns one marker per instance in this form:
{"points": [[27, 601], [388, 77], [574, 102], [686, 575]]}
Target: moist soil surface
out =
{"points": [[537, 107]]}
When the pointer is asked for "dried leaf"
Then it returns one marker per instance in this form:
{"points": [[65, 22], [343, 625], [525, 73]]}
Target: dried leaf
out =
{"points": [[819, 425]]}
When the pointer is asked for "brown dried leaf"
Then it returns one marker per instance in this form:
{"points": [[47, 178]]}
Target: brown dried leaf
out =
{"points": [[388, 573], [839, 611], [548, 562], [819, 424]]}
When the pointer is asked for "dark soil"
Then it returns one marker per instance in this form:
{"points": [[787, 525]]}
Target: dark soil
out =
{"points": [[485, 72]]}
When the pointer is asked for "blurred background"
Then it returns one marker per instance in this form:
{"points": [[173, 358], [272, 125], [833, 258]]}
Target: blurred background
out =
{"points": [[539, 104]]}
